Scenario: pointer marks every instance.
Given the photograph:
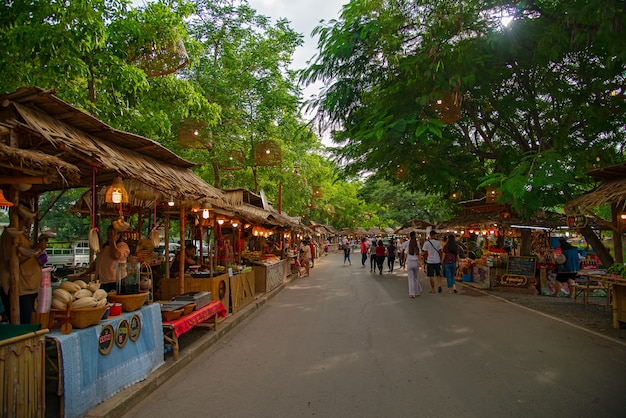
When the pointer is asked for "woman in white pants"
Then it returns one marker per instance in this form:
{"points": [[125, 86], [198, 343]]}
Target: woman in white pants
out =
{"points": [[412, 266]]}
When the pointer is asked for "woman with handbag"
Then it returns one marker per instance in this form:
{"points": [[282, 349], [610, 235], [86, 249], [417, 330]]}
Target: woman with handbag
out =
{"points": [[567, 269]]}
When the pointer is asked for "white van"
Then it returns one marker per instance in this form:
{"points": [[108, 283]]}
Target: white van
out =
{"points": [[62, 254], [81, 253]]}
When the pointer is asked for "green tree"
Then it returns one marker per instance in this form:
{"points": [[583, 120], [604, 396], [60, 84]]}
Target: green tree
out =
{"points": [[243, 67], [540, 99]]}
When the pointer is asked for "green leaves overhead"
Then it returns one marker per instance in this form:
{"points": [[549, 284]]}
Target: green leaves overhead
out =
{"points": [[543, 94]]}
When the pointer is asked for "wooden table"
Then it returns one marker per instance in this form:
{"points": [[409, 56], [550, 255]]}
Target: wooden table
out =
{"points": [[588, 282], [198, 318]]}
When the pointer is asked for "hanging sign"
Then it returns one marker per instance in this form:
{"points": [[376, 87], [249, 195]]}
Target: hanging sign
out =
{"points": [[576, 221]]}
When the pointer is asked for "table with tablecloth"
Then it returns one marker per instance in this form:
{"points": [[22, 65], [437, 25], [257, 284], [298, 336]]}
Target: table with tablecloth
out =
{"points": [[89, 377], [174, 329]]}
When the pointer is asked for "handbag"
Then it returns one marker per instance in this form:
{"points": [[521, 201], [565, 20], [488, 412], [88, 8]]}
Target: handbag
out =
{"points": [[560, 259]]}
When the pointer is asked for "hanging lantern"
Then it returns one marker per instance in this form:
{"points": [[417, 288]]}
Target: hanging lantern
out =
{"points": [[206, 210], [317, 192], [3, 202], [162, 58], [194, 134], [267, 153], [236, 160], [447, 106], [116, 193]]}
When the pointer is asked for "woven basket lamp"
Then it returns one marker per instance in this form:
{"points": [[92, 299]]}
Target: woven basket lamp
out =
{"points": [[447, 107], [400, 172], [158, 60], [317, 192], [194, 134], [236, 161], [268, 153]]}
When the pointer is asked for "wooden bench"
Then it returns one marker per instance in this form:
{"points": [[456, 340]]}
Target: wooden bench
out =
{"points": [[201, 317], [584, 290]]}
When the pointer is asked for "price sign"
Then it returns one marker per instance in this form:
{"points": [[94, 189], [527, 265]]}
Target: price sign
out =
{"points": [[122, 333]]}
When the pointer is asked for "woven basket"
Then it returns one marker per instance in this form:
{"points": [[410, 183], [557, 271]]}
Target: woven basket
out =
{"points": [[194, 134], [187, 309], [129, 303], [447, 107], [86, 317], [268, 153], [171, 315], [236, 161], [162, 59]]}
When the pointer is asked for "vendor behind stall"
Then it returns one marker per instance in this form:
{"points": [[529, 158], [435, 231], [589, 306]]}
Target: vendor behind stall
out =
{"points": [[113, 252], [188, 254]]}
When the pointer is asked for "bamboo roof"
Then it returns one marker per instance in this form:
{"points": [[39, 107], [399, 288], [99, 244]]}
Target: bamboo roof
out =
{"points": [[43, 122]]}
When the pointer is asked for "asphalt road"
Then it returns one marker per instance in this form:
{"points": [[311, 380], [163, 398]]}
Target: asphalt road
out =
{"points": [[345, 342]]}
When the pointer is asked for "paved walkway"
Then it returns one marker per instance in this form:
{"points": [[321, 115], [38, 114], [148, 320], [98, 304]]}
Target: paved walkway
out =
{"points": [[593, 318]]}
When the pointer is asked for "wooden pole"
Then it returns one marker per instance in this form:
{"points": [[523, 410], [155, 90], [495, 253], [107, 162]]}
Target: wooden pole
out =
{"points": [[181, 265]]}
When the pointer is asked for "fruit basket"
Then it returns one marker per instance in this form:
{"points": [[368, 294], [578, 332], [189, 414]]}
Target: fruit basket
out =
{"points": [[79, 318], [129, 303]]}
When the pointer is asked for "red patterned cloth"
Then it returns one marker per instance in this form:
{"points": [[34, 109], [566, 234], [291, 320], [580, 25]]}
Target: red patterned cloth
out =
{"points": [[187, 322]]}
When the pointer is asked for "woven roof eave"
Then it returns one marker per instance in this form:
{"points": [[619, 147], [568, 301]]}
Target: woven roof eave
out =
{"points": [[50, 104], [613, 192], [34, 161]]}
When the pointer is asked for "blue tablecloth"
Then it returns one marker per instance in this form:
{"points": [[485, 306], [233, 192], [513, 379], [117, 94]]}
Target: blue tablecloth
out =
{"points": [[90, 377]]}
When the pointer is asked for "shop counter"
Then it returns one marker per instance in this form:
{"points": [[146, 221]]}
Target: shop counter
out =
{"points": [[219, 286], [87, 377], [268, 277], [242, 288]]}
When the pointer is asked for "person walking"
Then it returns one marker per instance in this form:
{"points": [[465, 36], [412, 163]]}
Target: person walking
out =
{"points": [[372, 251], [567, 271], [401, 249], [432, 248], [412, 265], [363, 251], [381, 253], [450, 258], [391, 255], [346, 254], [305, 256]]}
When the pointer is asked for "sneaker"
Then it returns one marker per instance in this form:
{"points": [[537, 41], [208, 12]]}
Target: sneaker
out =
{"points": [[439, 289]]}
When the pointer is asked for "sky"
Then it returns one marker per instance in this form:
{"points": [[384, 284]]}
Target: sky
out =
{"points": [[304, 16]]}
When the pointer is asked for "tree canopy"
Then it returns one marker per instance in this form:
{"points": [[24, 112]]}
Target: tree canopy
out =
{"points": [[444, 96]]}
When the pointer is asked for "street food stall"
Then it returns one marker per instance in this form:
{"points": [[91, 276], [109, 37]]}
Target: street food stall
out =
{"points": [[611, 191], [48, 145]]}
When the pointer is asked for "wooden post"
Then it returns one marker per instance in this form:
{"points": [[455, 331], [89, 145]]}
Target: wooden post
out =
{"points": [[181, 265], [14, 263], [617, 237]]}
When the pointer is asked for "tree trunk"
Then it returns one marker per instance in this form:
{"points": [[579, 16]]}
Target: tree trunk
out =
{"points": [[598, 247], [526, 242]]}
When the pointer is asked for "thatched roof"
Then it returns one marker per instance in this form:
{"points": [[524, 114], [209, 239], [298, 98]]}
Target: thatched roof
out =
{"points": [[611, 190], [41, 121], [416, 225], [31, 161]]}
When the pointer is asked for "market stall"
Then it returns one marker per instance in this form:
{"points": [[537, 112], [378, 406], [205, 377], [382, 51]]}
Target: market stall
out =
{"points": [[96, 362]]}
